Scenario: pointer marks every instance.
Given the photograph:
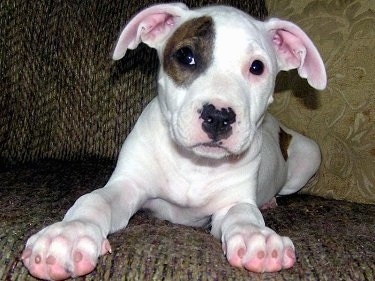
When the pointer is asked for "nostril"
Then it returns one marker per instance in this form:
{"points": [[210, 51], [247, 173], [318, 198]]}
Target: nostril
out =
{"points": [[229, 117], [207, 112]]}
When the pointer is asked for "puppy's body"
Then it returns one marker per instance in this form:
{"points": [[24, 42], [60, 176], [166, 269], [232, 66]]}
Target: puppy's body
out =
{"points": [[204, 150]]}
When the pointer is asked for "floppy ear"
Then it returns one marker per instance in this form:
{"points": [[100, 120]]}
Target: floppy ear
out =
{"points": [[294, 49], [150, 26]]}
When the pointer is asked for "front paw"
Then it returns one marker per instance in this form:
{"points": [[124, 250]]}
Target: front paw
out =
{"points": [[259, 249], [64, 249]]}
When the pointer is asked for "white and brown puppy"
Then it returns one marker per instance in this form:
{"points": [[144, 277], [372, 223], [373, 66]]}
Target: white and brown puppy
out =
{"points": [[205, 149]]}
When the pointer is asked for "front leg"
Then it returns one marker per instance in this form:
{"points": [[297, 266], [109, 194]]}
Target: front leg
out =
{"points": [[248, 243], [71, 247]]}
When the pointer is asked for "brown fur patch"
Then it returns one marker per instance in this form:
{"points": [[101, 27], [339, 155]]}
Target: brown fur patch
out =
{"points": [[284, 141], [198, 35]]}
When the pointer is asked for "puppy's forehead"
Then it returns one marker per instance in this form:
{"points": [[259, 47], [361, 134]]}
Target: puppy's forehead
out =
{"points": [[198, 35]]}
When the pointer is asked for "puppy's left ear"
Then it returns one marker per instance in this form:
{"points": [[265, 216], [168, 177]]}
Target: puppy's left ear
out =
{"points": [[294, 49]]}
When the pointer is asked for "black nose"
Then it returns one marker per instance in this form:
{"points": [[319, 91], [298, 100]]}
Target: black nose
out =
{"points": [[217, 122]]}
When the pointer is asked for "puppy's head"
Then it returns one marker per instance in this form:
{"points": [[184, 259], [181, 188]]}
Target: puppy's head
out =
{"points": [[218, 69]]}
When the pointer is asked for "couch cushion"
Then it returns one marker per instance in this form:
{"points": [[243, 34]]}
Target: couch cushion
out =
{"points": [[341, 119], [334, 240], [62, 96]]}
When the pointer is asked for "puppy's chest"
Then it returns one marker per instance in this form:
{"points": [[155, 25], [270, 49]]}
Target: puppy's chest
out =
{"points": [[189, 187], [204, 188]]}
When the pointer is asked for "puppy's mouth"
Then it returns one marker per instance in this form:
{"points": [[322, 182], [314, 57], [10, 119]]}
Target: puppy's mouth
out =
{"points": [[214, 150], [212, 144]]}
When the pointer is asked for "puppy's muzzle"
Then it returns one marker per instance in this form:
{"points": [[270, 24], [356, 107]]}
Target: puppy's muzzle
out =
{"points": [[217, 122]]}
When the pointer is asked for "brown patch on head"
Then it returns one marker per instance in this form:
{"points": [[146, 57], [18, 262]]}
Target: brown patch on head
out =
{"points": [[284, 141], [193, 41]]}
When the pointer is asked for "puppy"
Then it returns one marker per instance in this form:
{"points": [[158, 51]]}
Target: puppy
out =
{"points": [[205, 149]]}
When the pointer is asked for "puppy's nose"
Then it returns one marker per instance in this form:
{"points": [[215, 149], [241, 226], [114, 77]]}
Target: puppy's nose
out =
{"points": [[217, 122]]}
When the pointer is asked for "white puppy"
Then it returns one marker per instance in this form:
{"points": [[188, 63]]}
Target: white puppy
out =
{"points": [[205, 149]]}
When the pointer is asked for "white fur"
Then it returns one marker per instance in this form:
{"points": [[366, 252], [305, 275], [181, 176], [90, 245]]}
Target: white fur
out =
{"points": [[163, 166]]}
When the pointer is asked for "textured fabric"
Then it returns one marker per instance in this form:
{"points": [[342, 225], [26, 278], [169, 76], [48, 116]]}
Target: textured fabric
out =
{"points": [[334, 240], [342, 118], [62, 96]]}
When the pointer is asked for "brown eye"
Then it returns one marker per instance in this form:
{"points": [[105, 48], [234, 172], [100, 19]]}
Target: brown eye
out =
{"points": [[257, 67]]}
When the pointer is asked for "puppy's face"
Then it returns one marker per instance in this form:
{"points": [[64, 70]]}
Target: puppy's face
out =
{"points": [[216, 80], [218, 67]]}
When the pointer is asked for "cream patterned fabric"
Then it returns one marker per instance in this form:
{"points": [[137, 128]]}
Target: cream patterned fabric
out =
{"points": [[341, 118]]}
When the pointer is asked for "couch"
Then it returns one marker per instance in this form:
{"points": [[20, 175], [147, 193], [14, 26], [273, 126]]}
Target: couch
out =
{"points": [[66, 108]]}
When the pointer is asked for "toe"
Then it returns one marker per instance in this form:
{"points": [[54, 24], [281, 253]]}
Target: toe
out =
{"points": [[256, 263], [26, 254], [106, 247], [256, 255], [274, 253], [82, 264], [289, 258], [57, 272], [85, 256], [235, 251], [36, 267]]}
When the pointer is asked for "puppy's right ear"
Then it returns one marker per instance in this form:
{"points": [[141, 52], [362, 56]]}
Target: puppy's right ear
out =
{"points": [[295, 50], [150, 26]]}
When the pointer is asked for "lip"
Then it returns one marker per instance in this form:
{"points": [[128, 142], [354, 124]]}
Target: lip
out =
{"points": [[212, 149], [213, 144], [210, 144]]}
